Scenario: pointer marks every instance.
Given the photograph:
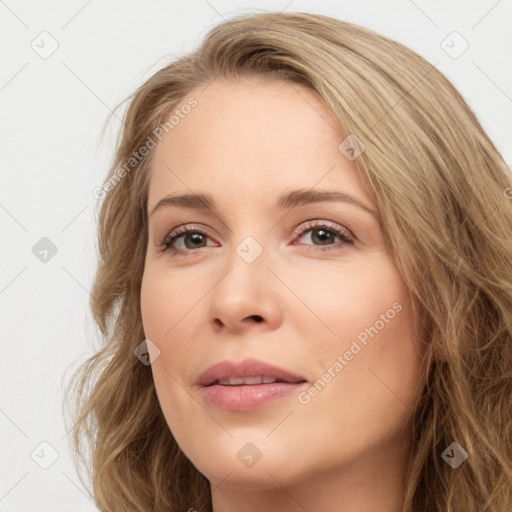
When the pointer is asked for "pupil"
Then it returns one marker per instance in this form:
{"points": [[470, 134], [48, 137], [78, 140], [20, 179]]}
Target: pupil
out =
{"points": [[195, 237], [321, 235], [324, 235]]}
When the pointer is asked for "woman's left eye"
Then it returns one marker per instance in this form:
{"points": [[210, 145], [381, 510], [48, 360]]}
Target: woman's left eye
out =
{"points": [[323, 232]]}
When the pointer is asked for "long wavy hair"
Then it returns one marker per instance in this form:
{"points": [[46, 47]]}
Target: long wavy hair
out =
{"points": [[444, 194]]}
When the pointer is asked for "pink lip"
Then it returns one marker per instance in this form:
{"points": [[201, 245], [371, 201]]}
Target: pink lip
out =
{"points": [[247, 397], [245, 368]]}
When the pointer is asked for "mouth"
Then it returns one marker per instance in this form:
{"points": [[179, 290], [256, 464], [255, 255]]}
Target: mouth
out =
{"points": [[248, 385], [251, 381]]}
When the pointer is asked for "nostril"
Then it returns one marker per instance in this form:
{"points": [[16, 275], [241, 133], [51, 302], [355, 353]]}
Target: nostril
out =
{"points": [[257, 318]]}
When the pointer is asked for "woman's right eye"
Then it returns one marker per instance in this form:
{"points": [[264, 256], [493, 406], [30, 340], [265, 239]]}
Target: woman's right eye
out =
{"points": [[191, 238]]}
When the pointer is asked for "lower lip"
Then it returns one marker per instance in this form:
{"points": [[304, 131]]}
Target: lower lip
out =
{"points": [[248, 397]]}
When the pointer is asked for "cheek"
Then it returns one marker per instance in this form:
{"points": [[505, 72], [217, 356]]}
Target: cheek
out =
{"points": [[366, 319], [352, 302], [164, 306], [155, 302], [164, 300], [328, 310], [166, 312], [172, 308], [380, 361]]}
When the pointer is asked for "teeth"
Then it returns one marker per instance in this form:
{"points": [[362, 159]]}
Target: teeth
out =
{"points": [[252, 380], [248, 381]]}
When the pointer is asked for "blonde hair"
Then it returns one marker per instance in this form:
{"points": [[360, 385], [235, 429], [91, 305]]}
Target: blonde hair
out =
{"points": [[443, 193]]}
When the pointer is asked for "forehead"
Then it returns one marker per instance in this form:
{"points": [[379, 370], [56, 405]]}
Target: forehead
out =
{"points": [[252, 134]]}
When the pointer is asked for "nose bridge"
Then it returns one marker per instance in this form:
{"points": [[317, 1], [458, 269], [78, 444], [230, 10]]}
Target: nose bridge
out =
{"points": [[247, 263], [247, 288], [250, 237], [250, 249]]}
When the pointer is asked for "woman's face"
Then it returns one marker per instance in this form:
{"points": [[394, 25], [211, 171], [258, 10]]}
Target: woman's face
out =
{"points": [[273, 273]]}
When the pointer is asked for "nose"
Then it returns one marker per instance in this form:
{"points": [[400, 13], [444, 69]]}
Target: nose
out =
{"points": [[248, 296]]}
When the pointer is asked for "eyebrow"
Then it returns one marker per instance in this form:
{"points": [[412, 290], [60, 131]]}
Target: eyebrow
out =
{"points": [[285, 200]]}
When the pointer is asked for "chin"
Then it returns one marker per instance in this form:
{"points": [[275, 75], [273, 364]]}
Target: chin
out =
{"points": [[257, 463]]}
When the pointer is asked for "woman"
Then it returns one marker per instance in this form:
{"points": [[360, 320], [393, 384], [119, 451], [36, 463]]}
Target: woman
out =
{"points": [[308, 235]]}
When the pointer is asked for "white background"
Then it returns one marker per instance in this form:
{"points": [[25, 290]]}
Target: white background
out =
{"points": [[52, 114]]}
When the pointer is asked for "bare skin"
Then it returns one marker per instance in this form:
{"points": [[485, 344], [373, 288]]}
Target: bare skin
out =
{"points": [[344, 447]]}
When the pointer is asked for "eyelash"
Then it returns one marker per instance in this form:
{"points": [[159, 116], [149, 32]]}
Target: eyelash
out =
{"points": [[342, 233]]}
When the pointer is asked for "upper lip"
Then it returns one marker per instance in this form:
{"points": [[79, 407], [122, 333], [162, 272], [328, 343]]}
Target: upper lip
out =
{"points": [[246, 368]]}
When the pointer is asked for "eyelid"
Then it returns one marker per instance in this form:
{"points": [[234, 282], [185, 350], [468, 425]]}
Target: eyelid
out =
{"points": [[310, 224], [301, 229], [185, 228], [345, 235]]}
